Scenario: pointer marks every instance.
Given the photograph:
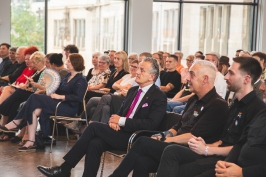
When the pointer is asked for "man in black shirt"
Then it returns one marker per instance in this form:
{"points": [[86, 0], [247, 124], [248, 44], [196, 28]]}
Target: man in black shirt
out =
{"points": [[170, 79], [13, 65], [4, 53], [247, 158], [240, 78], [20, 67], [204, 115]]}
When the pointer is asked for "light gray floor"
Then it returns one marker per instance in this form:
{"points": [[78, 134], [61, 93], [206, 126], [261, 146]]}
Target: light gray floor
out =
{"points": [[23, 164]]}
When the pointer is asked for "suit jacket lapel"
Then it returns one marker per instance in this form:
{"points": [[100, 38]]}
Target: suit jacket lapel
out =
{"points": [[145, 98]]}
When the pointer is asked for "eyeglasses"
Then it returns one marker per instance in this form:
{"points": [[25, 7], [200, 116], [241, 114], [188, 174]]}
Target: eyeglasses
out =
{"points": [[191, 61], [135, 67], [100, 62], [131, 58]]}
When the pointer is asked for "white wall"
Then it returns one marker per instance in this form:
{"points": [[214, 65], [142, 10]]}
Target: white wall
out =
{"points": [[140, 26], [5, 21]]}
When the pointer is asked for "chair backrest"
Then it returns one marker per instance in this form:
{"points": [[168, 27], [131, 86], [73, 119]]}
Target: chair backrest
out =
{"points": [[170, 119]]}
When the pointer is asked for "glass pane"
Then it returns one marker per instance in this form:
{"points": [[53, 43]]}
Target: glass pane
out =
{"points": [[235, 1], [220, 28], [27, 23], [92, 25], [164, 30]]}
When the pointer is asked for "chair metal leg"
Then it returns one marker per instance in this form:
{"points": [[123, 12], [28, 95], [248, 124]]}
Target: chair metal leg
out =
{"points": [[67, 134], [103, 159], [56, 129], [51, 148]]}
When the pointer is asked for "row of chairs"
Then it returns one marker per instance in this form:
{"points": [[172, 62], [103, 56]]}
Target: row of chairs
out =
{"points": [[170, 119]]}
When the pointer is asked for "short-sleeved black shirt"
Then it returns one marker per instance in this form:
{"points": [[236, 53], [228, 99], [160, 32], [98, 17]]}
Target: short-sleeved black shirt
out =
{"points": [[250, 150], [173, 78], [240, 115], [205, 117]]}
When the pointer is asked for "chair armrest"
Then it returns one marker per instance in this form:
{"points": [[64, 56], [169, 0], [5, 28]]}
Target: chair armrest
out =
{"points": [[138, 134], [56, 108]]}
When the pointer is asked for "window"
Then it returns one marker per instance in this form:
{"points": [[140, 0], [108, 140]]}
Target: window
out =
{"points": [[79, 33], [93, 26], [220, 28], [27, 23], [165, 27]]}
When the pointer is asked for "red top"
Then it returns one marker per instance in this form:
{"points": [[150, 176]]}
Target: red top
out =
{"points": [[22, 78]]}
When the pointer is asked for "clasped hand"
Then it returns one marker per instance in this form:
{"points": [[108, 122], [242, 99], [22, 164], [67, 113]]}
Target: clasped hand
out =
{"points": [[113, 122], [197, 144], [227, 169]]}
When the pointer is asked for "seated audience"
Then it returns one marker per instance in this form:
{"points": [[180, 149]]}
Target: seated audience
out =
{"points": [[261, 57], [159, 57], [185, 71], [144, 55], [93, 71], [244, 53], [56, 63], [19, 69], [122, 68], [170, 79], [112, 66], [70, 48], [200, 158], [179, 66], [9, 107], [71, 89], [198, 53], [165, 55], [220, 84], [47, 61], [10, 68], [4, 52], [204, 116], [237, 52], [145, 112], [223, 65], [178, 103], [100, 79], [102, 104], [132, 57], [20, 81]]}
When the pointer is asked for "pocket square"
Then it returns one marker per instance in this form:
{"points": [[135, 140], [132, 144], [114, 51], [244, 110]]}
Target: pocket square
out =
{"points": [[145, 105]]}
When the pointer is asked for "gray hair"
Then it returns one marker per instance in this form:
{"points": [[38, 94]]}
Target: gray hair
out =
{"points": [[134, 55], [97, 53], [206, 67], [154, 66], [180, 54], [105, 58]]}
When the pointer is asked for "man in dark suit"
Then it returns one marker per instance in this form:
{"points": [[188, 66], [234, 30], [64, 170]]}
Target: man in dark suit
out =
{"points": [[143, 108]]}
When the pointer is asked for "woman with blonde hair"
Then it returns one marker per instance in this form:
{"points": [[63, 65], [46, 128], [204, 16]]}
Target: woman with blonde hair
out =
{"points": [[71, 90], [9, 107], [121, 69]]}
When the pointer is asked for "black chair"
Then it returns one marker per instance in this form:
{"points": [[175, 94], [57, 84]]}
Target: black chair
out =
{"points": [[170, 119]]}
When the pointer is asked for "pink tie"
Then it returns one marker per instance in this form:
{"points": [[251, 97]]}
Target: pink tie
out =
{"points": [[134, 103]]}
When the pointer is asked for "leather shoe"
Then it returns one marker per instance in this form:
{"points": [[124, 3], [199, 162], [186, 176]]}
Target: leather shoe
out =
{"points": [[55, 171]]}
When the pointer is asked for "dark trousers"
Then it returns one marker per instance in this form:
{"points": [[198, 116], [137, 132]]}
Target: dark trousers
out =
{"points": [[10, 106], [144, 158], [146, 155], [96, 139], [181, 161]]}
